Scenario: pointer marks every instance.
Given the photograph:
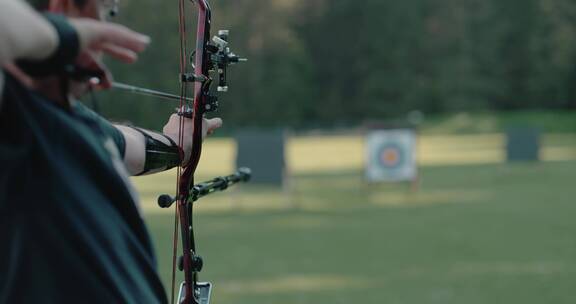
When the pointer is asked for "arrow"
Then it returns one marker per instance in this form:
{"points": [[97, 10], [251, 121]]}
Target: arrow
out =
{"points": [[147, 92]]}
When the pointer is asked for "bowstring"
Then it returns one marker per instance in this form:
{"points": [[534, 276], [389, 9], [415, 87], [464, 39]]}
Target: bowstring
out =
{"points": [[183, 97]]}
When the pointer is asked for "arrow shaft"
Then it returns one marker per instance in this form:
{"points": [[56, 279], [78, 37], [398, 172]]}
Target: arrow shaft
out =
{"points": [[147, 92]]}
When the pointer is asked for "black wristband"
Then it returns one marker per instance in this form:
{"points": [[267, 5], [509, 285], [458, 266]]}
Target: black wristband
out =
{"points": [[67, 51], [159, 156]]}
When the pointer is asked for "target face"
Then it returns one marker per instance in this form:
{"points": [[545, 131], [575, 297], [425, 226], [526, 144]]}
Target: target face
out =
{"points": [[391, 155]]}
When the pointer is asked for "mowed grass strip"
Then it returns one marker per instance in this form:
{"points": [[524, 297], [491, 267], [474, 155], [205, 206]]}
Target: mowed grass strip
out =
{"points": [[336, 154]]}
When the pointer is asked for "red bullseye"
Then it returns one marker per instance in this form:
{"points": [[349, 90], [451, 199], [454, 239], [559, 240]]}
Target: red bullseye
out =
{"points": [[390, 157]]}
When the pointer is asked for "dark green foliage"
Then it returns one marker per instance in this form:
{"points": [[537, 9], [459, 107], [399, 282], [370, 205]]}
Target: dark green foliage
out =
{"points": [[342, 62]]}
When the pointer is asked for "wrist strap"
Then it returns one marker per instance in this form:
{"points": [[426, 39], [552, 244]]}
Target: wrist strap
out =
{"points": [[159, 156], [65, 54]]}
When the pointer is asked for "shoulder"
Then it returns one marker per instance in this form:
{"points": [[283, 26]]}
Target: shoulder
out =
{"points": [[13, 90], [101, 124], [83, 111]]}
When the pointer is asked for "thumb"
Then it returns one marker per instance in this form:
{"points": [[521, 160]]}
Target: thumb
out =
{"points": [[213, 124]]}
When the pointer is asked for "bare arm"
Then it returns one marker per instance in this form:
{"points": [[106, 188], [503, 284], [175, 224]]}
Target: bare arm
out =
{"points": [[29, 36], [24, 33], [136, 152]]}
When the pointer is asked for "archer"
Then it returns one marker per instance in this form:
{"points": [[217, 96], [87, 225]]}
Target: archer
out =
{"points": [[70, 225]]}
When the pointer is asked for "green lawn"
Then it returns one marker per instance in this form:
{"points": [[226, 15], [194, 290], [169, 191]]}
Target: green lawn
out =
{"points": [[477, 231]]}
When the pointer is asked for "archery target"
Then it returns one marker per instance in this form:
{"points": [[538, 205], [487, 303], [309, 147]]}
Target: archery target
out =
{"points": [[391, 155]]}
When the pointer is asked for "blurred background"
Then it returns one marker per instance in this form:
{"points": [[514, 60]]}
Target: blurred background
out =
{"points": [[487, 90]]}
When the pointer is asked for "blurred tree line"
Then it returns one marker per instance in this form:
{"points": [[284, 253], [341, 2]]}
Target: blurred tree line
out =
{"points": [[341, 62]]}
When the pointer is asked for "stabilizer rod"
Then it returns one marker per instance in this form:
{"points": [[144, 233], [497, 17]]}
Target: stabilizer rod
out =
{"points": [[205, 188], [219, 183]]}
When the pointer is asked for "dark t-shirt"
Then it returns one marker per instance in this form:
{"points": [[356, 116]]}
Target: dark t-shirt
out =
{"points": [[70, 229]]}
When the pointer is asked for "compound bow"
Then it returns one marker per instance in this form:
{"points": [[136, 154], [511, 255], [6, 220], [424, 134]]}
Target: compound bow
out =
{"points": [[209, 57]]}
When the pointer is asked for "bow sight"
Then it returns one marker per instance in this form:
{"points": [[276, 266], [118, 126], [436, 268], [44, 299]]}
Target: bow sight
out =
{"points": [[223, 57], [220, 58]]}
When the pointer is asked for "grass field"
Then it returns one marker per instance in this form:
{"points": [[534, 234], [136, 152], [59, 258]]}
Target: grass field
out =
{"points": [[477, 231]]}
